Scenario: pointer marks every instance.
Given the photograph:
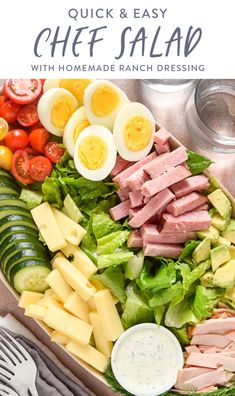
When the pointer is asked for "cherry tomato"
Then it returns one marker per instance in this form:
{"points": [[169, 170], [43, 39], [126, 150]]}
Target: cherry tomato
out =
{"points": [[38, 139], [5, 158], [23, 91], [31, 152], [16, 139], [9, 111], [20, 167], [4, 128], [36, 126], [28, 115], [39, 168], [2, 99], [54, 152]]}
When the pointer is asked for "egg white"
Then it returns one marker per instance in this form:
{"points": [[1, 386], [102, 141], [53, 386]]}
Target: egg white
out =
{"points": [[108, 120], [104, 171], [45, 106], [130, 110], [51, 83], [78, 116]]}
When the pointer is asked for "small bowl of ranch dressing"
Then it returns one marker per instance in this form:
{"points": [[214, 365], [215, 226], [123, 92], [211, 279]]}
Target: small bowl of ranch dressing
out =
{"points": [[146, 359]]}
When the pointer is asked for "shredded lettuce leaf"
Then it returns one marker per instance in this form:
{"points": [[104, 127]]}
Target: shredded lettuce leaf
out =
{"points": [[136, 310], [112, 259], [197, 163], [164, 276], [196, 274], [113, 279], [102, 225], [179, 315], [165, 296], [109, 243]]}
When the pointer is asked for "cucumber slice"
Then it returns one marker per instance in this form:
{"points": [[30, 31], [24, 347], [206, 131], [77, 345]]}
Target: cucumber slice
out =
{"points": [[6, 182], [31, 276], [8, 196], [12, 202], [14, 210], [21, 256], [9, 190], [17, 229], [16, 241], [5, 174], [12, 220]]}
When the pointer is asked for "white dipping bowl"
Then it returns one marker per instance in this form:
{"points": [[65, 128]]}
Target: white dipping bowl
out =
{"points": [[146, 359]]}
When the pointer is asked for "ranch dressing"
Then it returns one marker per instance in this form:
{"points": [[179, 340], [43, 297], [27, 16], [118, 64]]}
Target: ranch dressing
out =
{"points": [[146, 360]]}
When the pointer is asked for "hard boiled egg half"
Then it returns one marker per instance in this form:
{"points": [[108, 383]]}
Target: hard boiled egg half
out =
{"points": [[75, 86], [102, 101], [75, 125], [55, 107], [95, 152], [133, 131]]}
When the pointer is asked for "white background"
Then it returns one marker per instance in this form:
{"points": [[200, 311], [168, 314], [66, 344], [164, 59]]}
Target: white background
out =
{"points": [[21, 21]]}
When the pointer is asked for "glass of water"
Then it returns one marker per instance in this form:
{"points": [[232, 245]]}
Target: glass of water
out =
{"points": [[210, 115]]}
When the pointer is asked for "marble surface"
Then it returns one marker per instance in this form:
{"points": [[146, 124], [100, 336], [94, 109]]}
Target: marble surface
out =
{"points": [[169, 112]]}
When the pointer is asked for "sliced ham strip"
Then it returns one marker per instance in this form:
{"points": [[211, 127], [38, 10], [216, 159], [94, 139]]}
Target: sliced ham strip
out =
{"points": [[204, 206], [205, 348], [215, 377], [137, 179], [209, 389], [231, 335], [134, 240], [193, 183], [191, 221], [164, 162], [136, 198], [161, 136], [123, 193], [211, 360], [211, 350], [120, 165], [216, 340], [230, 347], [134, 211], [164, 250], [162, 148], [186, 204], [192, 348], [154, 186], [154, 205], [121, 178], [150, 234], [120, 211], [186, 374], [217, 326]]}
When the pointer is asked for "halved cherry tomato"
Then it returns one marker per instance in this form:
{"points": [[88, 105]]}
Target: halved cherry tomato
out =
{"points": [[4, 128], [54, 152], [5, 158], [39, 168], [28, 115], [36, 126], [16, 139], [2, 99], [9, 111], [38, 139], [20, 167], [23, 91]]}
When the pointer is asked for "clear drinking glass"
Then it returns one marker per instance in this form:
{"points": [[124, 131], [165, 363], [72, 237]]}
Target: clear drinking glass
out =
{"points": [[167, 85], [210, 115]]}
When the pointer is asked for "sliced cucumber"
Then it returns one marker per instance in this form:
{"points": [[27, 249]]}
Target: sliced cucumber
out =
{"points": [[7, 182], [9, 190], [21, 256], [14, 210], [8, 196], [21, 229], [17, 241], [12, 202], [13, 220], [5, 174], [30, 275]]}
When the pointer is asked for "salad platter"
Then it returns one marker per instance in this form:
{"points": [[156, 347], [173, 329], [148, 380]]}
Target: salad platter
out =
{"points": [[113, 234]]}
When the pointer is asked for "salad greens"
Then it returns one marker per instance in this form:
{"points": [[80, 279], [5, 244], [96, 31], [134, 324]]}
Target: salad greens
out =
{"points": [[113, 278], [197, 163], [136, 310]]}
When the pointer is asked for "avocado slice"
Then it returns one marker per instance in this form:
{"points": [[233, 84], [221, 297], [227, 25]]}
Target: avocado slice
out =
{"points": [[230, 294], [225, 275], [221, 203], [212, 233], [229, 233], [218, 222], [219, 255], [207, 279], [232, 252], [224, 241], [202, 251]]}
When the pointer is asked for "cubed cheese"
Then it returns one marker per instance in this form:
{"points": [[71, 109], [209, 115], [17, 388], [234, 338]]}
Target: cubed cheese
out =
{"points": [[29, 297], [91, 304], [77, 306], [58, 337], [35, 311], [88, 354], [48, 227], [47, 301], [102, 344], [80, 260], [68, 325], [75, 278], [73, 232], [108, 314], [59, 254], [49, 292], [57, 283], [98, 285]]}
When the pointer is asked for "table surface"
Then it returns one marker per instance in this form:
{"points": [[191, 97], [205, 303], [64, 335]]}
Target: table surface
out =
{"points": [[168, 110]]}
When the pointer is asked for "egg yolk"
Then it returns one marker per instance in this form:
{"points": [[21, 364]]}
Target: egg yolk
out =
{"points": [[92, 152], [76, 87], [62, 110], [104, 101], [137, 133], [79, 128]]}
